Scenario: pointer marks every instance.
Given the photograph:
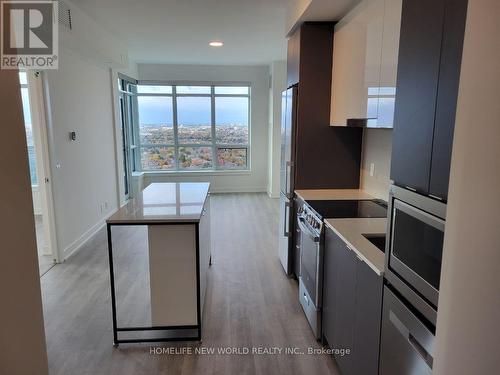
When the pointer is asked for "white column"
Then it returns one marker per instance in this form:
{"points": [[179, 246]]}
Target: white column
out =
{"points": [[22, 336], [468, 326]]}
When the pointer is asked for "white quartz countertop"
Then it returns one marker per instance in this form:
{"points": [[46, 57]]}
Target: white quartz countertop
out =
{"points": [[333, 194], [164, 202], [351, 232]]}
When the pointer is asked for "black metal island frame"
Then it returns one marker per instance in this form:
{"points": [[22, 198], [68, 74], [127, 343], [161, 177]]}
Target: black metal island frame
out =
{"points": [[175, 255]]}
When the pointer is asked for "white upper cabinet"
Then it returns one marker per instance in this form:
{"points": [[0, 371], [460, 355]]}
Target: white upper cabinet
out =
{"points": [[365, 54]]}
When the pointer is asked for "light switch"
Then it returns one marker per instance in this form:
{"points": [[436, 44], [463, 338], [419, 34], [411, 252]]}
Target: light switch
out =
{"points": [[372, 169]]}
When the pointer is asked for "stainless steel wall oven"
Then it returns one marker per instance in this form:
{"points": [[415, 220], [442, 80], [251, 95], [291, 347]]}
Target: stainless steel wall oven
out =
{"points": [[415, 247], [414, 250]]}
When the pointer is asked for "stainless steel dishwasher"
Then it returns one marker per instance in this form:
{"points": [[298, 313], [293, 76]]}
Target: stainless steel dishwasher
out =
{"points": [[407, 344]]}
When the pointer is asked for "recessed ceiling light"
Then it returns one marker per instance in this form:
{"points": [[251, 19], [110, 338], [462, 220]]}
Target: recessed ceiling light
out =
{"points": [[216, 43]]}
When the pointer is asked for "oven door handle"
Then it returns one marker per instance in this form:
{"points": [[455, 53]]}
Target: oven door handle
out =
{"points": [[303, 227]]}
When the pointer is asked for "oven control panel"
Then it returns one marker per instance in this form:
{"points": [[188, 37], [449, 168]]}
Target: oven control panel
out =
{"points": [[311, 218]]}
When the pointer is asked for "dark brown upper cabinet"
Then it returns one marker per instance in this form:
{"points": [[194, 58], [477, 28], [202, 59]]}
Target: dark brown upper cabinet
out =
{"points": [[430, 53], [293, 59], [309, 53], [449, 78], [323, 156]]}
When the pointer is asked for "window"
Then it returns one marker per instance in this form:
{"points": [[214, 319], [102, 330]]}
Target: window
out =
{"points": [[192, 127], [23, 80], [380, 106]]}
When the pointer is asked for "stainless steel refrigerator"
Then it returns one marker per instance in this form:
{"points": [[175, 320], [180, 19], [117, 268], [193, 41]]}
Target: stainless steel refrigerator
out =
{"points": [[288, 125]]}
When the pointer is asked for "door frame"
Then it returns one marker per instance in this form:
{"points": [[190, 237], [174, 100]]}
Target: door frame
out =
{"points": [[125, 117], [44, 171]]}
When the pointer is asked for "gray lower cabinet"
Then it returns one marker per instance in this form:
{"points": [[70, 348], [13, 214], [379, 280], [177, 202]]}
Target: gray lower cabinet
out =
{"points": [[367, 318], [352, 307]]}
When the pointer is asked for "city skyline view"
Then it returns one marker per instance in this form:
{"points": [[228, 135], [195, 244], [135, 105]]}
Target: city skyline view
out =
{"points": [[193, 111], [198, 132]]}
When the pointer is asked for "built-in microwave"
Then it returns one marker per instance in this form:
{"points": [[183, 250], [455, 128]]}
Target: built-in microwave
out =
{"points": [[415, 247]]}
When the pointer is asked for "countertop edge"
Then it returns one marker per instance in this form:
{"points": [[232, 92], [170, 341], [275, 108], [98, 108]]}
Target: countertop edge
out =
{"points": [[195, 219], [353, 196], [153, 222], [358, 252]]}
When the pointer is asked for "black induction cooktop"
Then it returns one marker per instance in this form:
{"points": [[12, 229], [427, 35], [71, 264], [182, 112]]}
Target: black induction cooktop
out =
{"points": [[335, 209]]}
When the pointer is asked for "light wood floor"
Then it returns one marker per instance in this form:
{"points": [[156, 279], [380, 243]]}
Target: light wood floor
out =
{"points": [[250, 303]]}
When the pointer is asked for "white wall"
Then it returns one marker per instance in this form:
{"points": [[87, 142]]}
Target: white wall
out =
{"points": [[258, 76], [377, 149], [22, 337], [468, 328], [84, 171], [90, 39], [80, 97], [278, 85]]}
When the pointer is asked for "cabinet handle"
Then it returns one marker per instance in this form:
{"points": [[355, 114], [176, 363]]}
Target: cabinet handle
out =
{"points": [[286, 233], [436, 197]]}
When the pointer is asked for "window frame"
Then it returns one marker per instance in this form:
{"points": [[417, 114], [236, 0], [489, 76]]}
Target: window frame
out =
{"points": [[213, 145]]}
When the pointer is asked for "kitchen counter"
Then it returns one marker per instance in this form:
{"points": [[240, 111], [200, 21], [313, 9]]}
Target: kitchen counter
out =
{"points": [[351, 232], [178, 250], [164, 202], [333, 194]]}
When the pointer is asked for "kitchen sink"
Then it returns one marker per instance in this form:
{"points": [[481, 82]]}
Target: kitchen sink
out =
{"points": [[377, 239]]}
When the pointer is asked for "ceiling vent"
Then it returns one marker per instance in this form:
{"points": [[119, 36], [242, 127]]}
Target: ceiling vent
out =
{"points": [[65, 15]]}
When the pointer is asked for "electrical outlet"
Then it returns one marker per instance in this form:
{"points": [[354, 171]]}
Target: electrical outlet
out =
{"points": [[372, 169]]}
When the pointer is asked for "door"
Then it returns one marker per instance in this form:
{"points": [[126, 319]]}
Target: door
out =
{"points": [[284, 233], [367, 320], [127, 90], [449, 77], [125, 143], [293, 59], [284, 160], [287, 128], [357, 51], [296, 242], [32, 92], [311, 258], [417, 85], [330, 270], [345, 306]]}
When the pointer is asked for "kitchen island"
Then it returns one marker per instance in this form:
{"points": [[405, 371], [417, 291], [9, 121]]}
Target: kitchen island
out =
{"points": [[177, 218]]}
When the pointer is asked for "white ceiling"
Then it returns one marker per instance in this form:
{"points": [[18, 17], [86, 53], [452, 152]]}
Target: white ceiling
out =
{"points": [[178, 31], [317, 10]]}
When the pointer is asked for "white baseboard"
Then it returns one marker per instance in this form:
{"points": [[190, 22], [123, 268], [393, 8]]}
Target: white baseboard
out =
{"points": [[245, 189], [273, 195], [46, 250], [80, 241]]}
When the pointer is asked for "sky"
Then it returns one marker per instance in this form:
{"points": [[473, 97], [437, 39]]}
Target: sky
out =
{"points": [[193, 111]]}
